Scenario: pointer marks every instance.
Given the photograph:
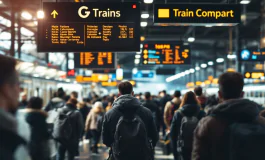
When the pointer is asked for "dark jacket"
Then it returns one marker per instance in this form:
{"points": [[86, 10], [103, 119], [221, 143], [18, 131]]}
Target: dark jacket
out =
{"points": [[127, 104], [188, 110], [38, 145], [155, 111], [209, 141], [54, 103], [77, 123]]}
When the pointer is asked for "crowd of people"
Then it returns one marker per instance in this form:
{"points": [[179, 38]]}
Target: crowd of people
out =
{"points": [[198, 127]]}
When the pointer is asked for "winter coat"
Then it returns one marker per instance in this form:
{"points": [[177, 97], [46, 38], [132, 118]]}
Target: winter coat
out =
{"points": [[38, 144], [127, 104], [93, 118], [188, 110], [55, 102], [209, 141], [155, 111], [77, 123]]}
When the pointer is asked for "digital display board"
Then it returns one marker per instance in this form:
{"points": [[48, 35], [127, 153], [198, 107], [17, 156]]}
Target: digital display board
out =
{"points": [[252, 55], [166, 53], [100, 60], [254, 75], [225, 14], [90, 26]]}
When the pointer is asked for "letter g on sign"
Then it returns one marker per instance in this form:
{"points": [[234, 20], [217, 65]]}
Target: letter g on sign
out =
{"points": [[86, 12]]}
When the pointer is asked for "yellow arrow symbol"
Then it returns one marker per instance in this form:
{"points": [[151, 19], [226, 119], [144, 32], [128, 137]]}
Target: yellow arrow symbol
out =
{"points": [[54, 13]]}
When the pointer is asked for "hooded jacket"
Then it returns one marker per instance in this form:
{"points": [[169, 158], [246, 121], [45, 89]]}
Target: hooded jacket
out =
{"points": [[155, 111], [127, 104], [209, 141], [188, 110]]}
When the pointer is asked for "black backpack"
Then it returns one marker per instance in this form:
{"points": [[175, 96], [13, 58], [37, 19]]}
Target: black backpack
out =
{"points": [[185, 138], [130, 139]]}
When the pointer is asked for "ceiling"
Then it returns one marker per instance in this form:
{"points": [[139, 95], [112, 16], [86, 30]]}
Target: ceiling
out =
{"points": [[210, 43]]}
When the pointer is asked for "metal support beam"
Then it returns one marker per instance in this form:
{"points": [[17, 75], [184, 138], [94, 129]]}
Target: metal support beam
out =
{"points": [[12, 47]]}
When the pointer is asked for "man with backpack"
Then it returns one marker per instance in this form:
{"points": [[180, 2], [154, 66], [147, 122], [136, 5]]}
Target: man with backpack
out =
{"points": [[129, 127], [170, 109], [234, 130], [67, 130]]}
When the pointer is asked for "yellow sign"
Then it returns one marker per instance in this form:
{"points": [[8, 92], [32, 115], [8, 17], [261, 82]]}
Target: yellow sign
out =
{"points": [[109, 84], [247, 75], [54, 13], [210, 78], [163, 13], [254, 75], [198, 83], [231, 70], [190, 84], [93, 78], [215, 81], [259, 66], [207, 82]]}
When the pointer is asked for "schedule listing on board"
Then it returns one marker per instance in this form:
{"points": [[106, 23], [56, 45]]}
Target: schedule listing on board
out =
{"points": [[78, 27]]}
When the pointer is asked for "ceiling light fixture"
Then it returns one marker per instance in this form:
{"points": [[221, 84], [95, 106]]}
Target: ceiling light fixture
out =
{"points": [[148, 1], [220, 60], [191, 39], [197, 68], [40, 14], [1, 2], [26, 15], [209, 26], [192, 70], [143, 24], [137, 56], [136, 61], [145, 15], [231, 56], [187, 72], [203, 65], [245, 2], [210, 63]]}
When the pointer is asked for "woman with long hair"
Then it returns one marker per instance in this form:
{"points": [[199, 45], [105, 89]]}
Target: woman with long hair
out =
{"points": [[183, 124]]}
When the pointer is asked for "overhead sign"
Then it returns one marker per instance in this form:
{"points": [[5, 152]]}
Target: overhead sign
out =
{"points": [[254, 75], [114, 83], [166, 53], [93, 78], [100, 60], [252, 55], [225, 14], [144, 74], [90, 26]]}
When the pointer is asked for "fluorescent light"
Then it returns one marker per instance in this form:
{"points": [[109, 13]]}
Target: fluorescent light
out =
{"points": [[67, 80], [191, 39], [136, 61], [192, 70], [220, 60], [187, 72], [1, 2], [139, 52], [141, 46], [134, 70], [26, 32], [182, 74], [185, 44], [245, 2], [203, 65], [143, 24], [36, 75], [197, 68], [145, 15], [231, 56], [26, 15], [148, 1], [47, 77], [210, 63], [172, 78], [137, 56], [40, 14], [209, 26]]}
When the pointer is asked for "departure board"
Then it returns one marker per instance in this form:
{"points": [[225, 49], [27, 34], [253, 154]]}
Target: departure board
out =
{"points": [[90, 26], [252, 55], [166, 53], [100, 60]]}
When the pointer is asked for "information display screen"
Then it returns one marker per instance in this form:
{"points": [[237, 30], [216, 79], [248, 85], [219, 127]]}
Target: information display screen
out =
{"points": [[252, 55], [100, 60], [254, 75], [92, 26], [165, 53], [226, 14]]}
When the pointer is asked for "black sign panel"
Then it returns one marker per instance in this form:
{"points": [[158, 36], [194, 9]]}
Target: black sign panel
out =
{"points": [[82, 27], [100, 60], [252, 55], [166, 53], [197, 13]]}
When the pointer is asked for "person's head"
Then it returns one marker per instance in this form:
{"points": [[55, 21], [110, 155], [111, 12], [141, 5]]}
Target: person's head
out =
{"points": [[98, 107], [212, 101], [24, 96], [72, 101], [66, 98], [231, 85], [125, 88], [177, 94], [198, 91], [60, 93], [147, 95], [35, 103], [189, 98], [262, 113], [9, 84], [74, 94], [87, 100]]}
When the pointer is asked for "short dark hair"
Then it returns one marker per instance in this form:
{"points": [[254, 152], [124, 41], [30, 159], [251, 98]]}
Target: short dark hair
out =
{"points": [[231, 85], [35, 103], [75, 94], [198, 91], [72, 101], [60, 93], [164, 91], [177, 94], [7, 70], [147, 95], [125, 88]]}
